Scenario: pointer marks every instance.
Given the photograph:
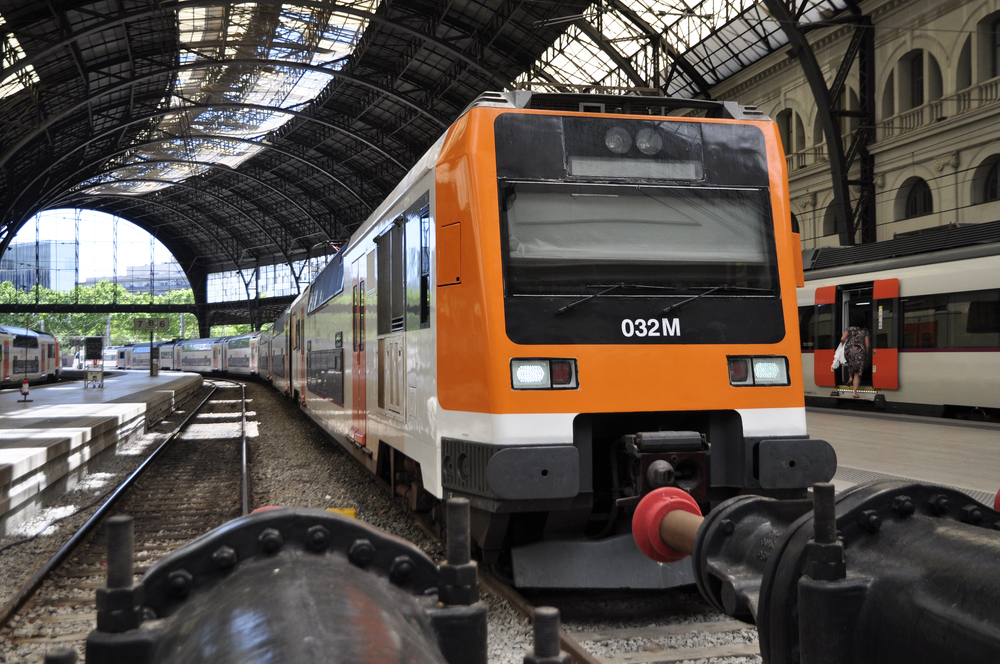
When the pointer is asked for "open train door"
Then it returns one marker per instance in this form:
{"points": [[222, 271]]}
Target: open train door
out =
{"points": [[359, 370], [885, 353], [827, 336]]}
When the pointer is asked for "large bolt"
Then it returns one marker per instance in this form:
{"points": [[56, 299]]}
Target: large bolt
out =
{"points": [[870, 521], [61, 656], [120, 548], [317, 538], [224, 557], [270, 540], [659, 474], [180, 582], [546, 628], [903, 506], [824, 513], [972, 514], [361, 552], [458, 531], [939, 504], [401, 570]]}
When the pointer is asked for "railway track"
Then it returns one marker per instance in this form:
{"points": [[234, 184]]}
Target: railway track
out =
{"points": [[645, 630], [195, 481]]}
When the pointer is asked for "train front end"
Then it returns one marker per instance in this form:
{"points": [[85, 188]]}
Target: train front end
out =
{"points": [[616, 312]]}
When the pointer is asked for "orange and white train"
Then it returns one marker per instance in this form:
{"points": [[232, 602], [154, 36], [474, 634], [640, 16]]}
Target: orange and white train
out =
{"points": [[28, 355], [569, 301]]}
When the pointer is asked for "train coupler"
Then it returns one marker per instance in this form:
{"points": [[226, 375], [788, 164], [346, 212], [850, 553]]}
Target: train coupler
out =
{"points": [[659, 459]]}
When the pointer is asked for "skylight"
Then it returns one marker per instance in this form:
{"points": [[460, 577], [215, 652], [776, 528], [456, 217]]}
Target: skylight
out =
{"points": [[221, 113], [12, 52]]}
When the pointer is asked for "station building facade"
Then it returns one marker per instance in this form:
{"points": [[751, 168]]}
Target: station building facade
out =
{"points": [[937, 106]]}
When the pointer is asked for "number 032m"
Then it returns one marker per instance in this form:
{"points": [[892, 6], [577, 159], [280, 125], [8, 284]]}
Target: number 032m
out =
{"points": [[651, 327]]}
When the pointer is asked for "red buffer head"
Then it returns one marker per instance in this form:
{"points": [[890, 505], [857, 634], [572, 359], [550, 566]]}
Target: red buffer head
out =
{"points": [[650, 512]]}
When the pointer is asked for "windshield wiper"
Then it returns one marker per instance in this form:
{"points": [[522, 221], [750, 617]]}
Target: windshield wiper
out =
{"points": [[712, 290], [607, 289]]}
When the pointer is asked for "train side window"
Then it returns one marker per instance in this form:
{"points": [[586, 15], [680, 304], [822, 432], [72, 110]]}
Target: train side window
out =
{"points": [[974, 319], [824, 321], [807, 327], [390, 287], [925, 321], [418, 265]]}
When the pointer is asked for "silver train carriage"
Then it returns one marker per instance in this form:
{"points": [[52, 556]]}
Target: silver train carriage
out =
{"points": [[931, 306], [27, 354]]}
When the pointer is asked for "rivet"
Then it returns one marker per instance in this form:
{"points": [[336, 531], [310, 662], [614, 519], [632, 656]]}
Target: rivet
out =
{"points": [[728, 527], [180, 582], [401, 570], [317, 538], [270, 540], [361, 552], [224, 557]]}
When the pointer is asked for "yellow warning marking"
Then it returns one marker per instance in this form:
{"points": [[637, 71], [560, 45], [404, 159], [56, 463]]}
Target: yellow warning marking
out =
{"points": [[346, 511]]}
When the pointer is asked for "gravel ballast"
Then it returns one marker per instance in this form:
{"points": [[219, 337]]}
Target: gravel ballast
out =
{"points": [[295, 464]]}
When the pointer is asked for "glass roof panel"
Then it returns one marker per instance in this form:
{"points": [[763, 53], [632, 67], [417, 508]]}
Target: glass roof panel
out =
{"points": [[717, 37], [10, 53], [222, 106]]}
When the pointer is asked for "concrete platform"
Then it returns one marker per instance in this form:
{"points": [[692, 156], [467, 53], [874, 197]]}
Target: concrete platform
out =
{"points": [[871, 446], [46, 445]]}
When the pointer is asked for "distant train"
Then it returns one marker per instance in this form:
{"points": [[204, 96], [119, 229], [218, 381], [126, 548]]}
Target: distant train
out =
{"points": [[556, 311], [27, 354], [932, 306]]}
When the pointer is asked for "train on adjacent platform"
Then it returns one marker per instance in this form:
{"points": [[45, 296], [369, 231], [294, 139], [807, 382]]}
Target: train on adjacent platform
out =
{"points": [[570, 301], [26, 354], [932, 307]]}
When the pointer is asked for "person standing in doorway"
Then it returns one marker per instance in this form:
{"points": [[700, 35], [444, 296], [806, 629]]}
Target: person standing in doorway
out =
{"points": [[857, 345]]}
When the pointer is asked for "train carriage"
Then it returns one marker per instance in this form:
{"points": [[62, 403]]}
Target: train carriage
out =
{"points": [[167, 355], [110, 355], [195, 355], [28, 354], [933, 317], [558, 310], [241, 354]]}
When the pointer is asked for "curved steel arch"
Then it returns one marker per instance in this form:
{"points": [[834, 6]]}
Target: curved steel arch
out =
{"points": [[168, 137], [210, 164], [167, 8], [201, 64], [184, 186]]}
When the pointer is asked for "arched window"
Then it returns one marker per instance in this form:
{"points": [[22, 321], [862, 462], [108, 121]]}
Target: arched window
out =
{"points": [[917, 80], [830, 220], [992, 185], [919, 200], [995, 48]]}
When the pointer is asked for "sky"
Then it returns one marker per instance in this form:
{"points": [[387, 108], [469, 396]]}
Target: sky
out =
{"points": [[97, 233]]}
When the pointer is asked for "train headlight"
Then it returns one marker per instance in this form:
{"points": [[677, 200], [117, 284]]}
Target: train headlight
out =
{"points": [[543, 374], [618, 140], [648, 141], [758, 371]]}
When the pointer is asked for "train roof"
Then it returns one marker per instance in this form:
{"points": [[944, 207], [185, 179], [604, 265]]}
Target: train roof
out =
{"points": [[934, 246], [245, 335], [23, 331]]}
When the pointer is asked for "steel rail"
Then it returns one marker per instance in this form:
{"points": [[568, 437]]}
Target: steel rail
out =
{"points": [[576, 651], [29, 587]]}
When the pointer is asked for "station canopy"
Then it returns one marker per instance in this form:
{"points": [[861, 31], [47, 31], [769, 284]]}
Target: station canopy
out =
{"points": [[243, 134]]}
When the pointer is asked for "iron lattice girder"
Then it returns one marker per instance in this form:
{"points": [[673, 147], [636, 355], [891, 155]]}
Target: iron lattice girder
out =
{"points": [[67, 181], [99, 308], [619, 59]]}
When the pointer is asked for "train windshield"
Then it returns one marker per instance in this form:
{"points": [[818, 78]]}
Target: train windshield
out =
{"points": [[569, 238]]}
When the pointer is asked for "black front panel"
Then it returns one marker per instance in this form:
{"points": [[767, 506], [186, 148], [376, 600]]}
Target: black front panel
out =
{"points": [[628, 231], [711, 320]]}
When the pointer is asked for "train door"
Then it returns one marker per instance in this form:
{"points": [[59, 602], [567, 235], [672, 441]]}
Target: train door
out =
{"points": [[885, 356], [826, 336], [856, 311], [359, 370], [43, 351], [390, 303], [6, 359]]}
